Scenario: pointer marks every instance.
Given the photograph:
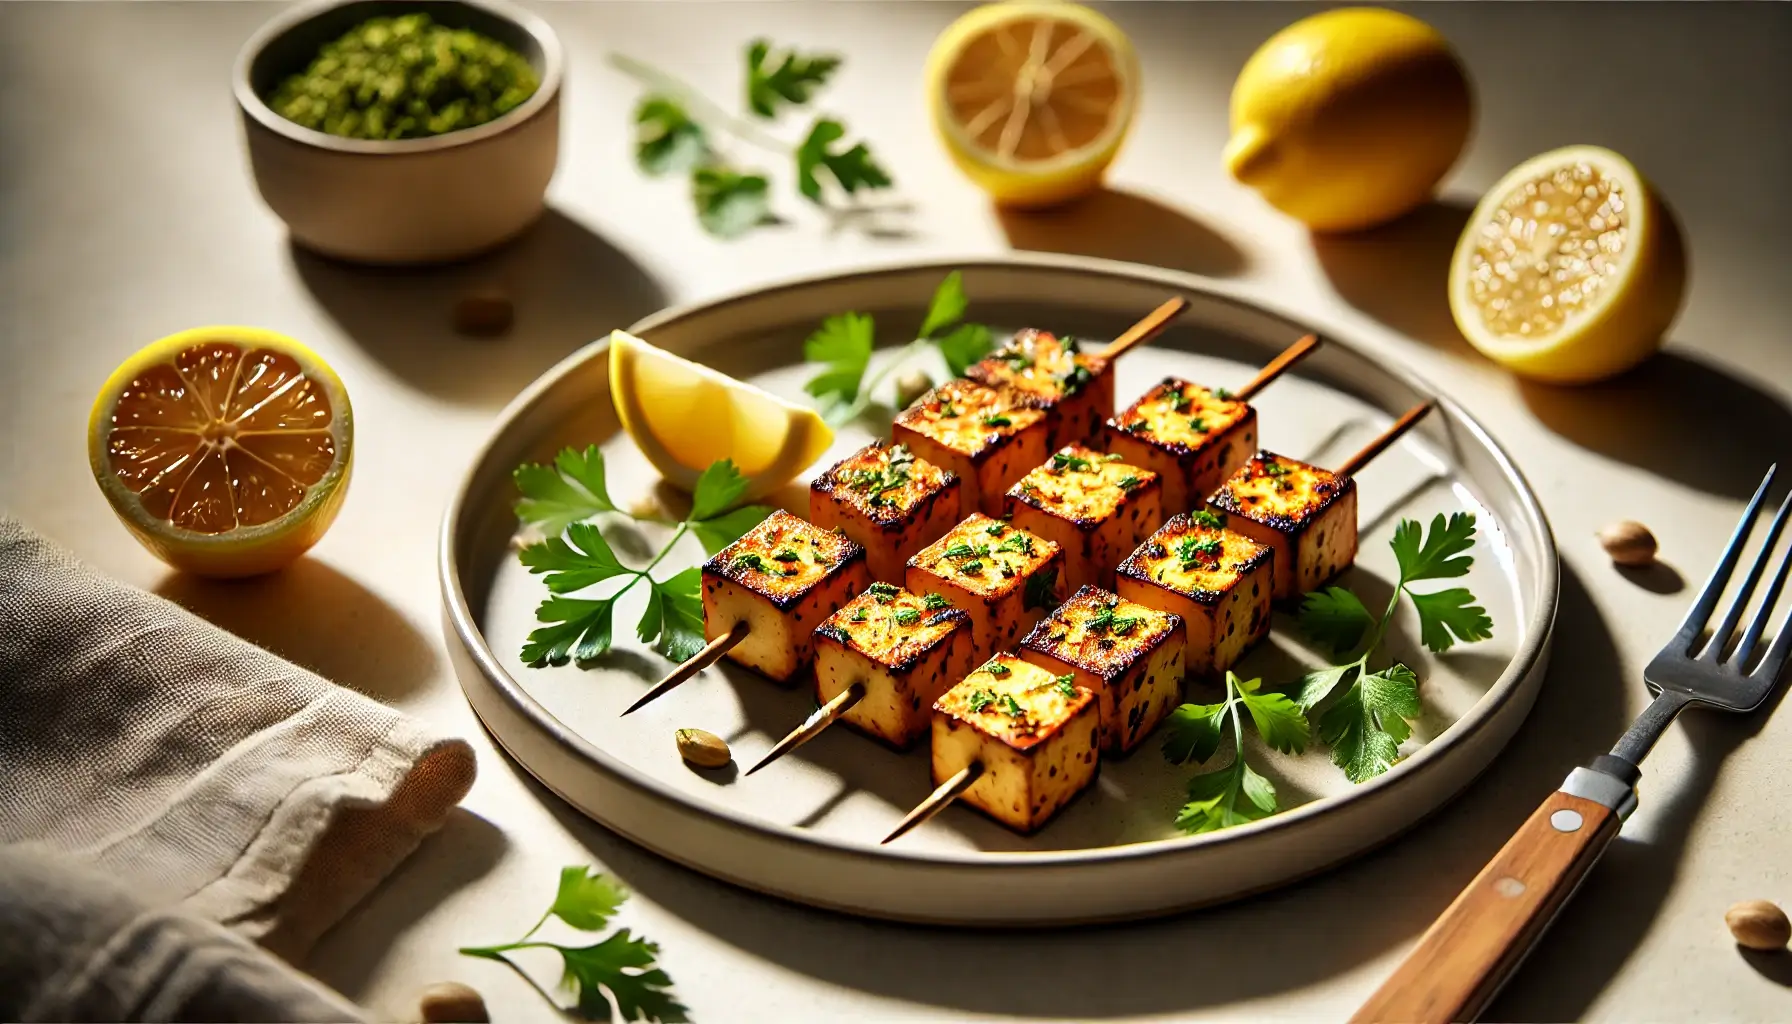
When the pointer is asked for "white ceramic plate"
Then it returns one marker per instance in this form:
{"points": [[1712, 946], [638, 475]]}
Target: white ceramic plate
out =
{"points": [[808, 827]]}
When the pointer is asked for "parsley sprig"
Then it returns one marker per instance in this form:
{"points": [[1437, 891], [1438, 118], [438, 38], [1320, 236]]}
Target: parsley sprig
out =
{"points": [[679, 130], [560, 500], [1369, 713], [1236, 793], [844, 341], [622, 965]]}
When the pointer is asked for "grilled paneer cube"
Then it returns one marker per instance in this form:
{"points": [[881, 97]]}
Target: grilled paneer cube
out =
{"points": [[1093, 506], [1127, 654], [1004, 576], [1076, 391], [889, 501], [1307, 514], [1218, 581], [1191, 437], [979, 433], [781, 579], [905, 650], [1035, 733]]}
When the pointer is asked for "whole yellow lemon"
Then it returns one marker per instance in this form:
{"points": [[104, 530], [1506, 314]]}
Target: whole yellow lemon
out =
{"points": [[1349, 119]]}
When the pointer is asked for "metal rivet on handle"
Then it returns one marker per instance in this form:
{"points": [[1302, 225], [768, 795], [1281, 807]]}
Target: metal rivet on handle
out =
{"points": [[1566, 820]]}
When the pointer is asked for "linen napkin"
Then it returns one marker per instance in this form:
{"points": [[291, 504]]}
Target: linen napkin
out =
{"points": [[213, 777]]}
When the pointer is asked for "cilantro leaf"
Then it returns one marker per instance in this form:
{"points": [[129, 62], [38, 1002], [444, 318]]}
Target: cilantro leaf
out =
{"points": [[720, 531], [1193, 731], [577, 629], [572, 489], [1280, 721], [1437, 558], [681, 603], [965, 345], [666, 139], [1315, 685], [582, 559], [1367, 724], [718, 488], [852, 169], [1214, 799], [1335, 618], [1448, 616], [729, 203], [783, 77], [587, 898], [947, 306], [843, 342]]}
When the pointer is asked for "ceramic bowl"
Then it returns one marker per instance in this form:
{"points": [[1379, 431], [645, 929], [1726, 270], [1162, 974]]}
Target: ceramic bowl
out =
{"points": [[409, 200]]}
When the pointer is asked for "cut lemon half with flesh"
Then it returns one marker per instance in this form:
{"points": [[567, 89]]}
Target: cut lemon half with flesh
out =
{"points": [[1033, 98], [684, 416], [225, 450], [1571, 268]]}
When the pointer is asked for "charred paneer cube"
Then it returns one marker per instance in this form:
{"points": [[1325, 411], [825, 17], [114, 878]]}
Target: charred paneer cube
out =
{"points": [[905, 650], [1219, 582], [1307, 514], [1075, 390], [1129, 655], [1191, 437], [781, 580], [888, 500], [1004, 576], [1093, 506], [1036, 734], [980, 434]]}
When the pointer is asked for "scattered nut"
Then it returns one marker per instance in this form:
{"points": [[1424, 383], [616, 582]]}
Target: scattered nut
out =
{"points": [[1628, 542], [450, 1002], [484, 313], [703, 749], [911, 386], [1758, 924]]}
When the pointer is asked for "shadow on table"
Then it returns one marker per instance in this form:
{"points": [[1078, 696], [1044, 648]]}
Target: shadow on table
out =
{"points": [[1118, 225], [307, 613], [1399, 273], [1641, 418], [1275, 944], [568, 285]]}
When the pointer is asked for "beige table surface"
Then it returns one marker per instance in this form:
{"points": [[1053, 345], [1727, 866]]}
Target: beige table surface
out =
{"points": [[126, 213]]}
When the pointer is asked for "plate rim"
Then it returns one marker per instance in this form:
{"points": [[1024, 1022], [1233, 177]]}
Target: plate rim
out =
{"points": [[1484, 713]]}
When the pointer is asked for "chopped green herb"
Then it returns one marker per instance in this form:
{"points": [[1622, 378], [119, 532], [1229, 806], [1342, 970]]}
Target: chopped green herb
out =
{"points": [[786, 555], [1128, 482], [907, 616], [1061, 461], [997, 421], [749, 561], [883, 593], [1180, 401], [1194, 550], [971, 568], [980, 699], [1066, 685], [995, 529], [1198, 425], [997, 669], [859, 614], [1276, 469], [1202, 517], [1222, 394], [935, 602], [1011, 707], [1138, 426], [1020, 542]]}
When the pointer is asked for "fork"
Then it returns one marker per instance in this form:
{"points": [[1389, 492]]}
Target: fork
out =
{"points": [[1464, 958]]}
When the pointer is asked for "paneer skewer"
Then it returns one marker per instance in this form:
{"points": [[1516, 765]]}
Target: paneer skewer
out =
{"points": [[1127, 654], [764, 594], [1192, 437], [1013, 740], [1306, 514], [1093, 506], [889, 501], [1218, 583]]}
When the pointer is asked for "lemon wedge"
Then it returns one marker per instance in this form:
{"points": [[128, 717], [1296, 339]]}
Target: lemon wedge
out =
{"points": [[225, 450], [1571, 268], [1033, 98], [1348, 119], [684, 416]]}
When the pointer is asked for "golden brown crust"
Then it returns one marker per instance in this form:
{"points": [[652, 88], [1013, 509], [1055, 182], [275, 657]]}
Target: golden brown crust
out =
{"points": [[1279, 492], [986, 557], [888, 485], [784, 558], [968, 418], [1039, 368], [1082, 486], [1180, 417], [893, 627], [1014, 702], [1199, 560], [1102, 633]]}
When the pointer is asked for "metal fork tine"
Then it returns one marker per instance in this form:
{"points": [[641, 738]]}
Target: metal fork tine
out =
{"points": [[1752, 635], [1775, 659], [1720, 637], [1714, 586]]}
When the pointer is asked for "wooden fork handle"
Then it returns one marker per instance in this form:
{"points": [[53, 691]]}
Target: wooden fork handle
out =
{"points": [[1467, 954]]}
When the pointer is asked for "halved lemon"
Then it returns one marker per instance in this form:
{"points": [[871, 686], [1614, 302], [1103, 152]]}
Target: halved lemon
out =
{"points": [[684, 416], [225, 450], [1571, 268], [1033, 98]]}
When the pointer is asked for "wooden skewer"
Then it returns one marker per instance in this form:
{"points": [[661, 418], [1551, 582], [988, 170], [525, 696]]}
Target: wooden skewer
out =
{"points": [[1150, 327], [939, 799], [710, 654], [1277, 366], [1388, 437], [813, 726]]}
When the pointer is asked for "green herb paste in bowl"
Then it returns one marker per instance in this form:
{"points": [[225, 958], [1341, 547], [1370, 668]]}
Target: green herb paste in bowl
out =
{"points": [[405, 77]]}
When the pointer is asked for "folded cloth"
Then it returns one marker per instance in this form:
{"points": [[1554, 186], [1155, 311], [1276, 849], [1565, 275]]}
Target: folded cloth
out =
{"points": [[216, 779]]}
